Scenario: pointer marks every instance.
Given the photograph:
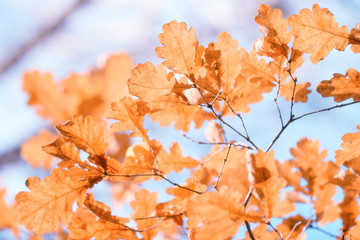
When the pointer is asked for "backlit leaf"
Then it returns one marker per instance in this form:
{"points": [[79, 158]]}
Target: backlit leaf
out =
{"points": [[341, 87], [317, 33]]}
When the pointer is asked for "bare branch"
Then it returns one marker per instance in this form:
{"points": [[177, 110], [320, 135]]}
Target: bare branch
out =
{"points": [[323, 231], [278, 86], [275, 230], [325, 109], [240, 144], [222, 168], [239, 116], [47, 31]]}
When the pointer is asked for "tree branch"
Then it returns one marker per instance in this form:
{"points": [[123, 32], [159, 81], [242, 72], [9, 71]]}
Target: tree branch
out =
{"points": [[46, 32]]}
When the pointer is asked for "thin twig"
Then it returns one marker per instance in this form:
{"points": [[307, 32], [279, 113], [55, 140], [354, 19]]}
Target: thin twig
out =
{"points": [[275, 230], [325, 109], [293, 119], [293, 229], [249, 230], [323, 231], [239, 116], [248, 196], [277, 104], [167, 216], [246, 202], [240, 144], [15, 57], [176, 184], [154, 174], [210, 106], [222, 168]]}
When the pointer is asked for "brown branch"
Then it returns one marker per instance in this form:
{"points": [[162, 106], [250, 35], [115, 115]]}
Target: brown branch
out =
{"points": [[323, 231], [222, 167], [46, 32], [293, 119], [240, 144], [246, 202], [211, 107], [154, 174], [278, 86], [275, 230], [239, 116]]}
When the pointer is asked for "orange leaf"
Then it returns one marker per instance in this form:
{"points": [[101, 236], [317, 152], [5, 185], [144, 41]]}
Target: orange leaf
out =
{"points": [[44, 94], [274, 28], [169, 109], [148, 82], [351, 149], [214, 132], [31, 150], [85, 225], [131, 114], [317, 33], [301, 91], [174, 161], [87, 135], [179, 47], [144, 206], [256, 77], [223, 209], [229, 61], [341, 87], [264, 177], [50, 201], [8, 219]]}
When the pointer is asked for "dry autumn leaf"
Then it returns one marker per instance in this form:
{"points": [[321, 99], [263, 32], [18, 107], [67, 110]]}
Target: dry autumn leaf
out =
{"points": [[147, 82], [317, 33], [31, 150], [50, 201], [179, 47], [341, 87]]}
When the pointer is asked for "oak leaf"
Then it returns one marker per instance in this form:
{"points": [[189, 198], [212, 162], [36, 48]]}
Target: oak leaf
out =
{"points": [[131, 114], [85, 225], [174, 161], [264, 177], [351, 149], [44, 94], [173, 109], [275, 30], [222, 210], [148, 82], [31, 150], [255, 78], [50, 201], [144, 207], [341, 87], [8, 218], [317, 33], [299, 95], [214, 132], [229, 63], [179, 47]]}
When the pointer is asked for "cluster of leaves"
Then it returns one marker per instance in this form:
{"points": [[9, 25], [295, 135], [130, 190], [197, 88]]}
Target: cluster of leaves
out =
{"points": [[193, 85]]}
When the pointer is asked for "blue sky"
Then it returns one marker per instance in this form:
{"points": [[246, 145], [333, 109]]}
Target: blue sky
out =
{"points": [[110, 26]]}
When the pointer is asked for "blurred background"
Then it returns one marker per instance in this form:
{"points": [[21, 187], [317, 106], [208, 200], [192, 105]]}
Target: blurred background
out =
{"points": [[65, 36]]}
